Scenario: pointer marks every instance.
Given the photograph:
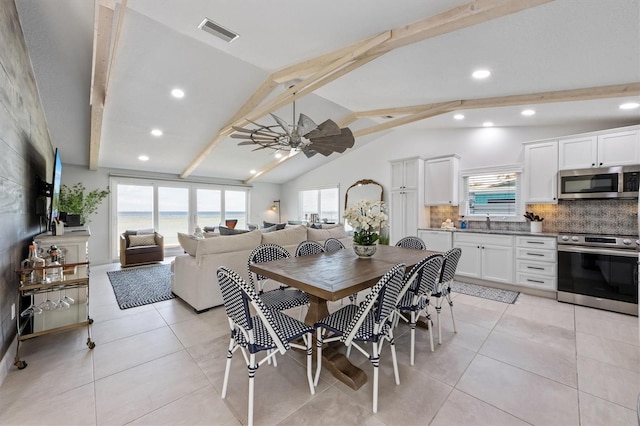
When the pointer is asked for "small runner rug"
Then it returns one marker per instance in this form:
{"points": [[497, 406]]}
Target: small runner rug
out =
{"points": [[141, 286], [505, 296]]}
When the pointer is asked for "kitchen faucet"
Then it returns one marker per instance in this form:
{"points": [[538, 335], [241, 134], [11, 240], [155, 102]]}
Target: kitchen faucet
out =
{"points": [[488, 221]]}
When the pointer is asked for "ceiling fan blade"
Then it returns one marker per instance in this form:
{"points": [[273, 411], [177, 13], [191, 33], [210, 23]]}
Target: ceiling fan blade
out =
{"points": [[282, 124], [305, 125], [338, 143], [308, 152], [327, 128], [254, 136], [246, 143]]}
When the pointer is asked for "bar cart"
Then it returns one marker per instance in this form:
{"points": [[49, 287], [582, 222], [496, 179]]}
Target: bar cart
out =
{"points": [[47, 281]]}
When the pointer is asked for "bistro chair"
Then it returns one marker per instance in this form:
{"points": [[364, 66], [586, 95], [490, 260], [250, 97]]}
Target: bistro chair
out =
{"points": [[309, 247], [367, 323], [268, 330], [283, 297], [412, 243], [332, 245], [443, 289], [422, 279]]}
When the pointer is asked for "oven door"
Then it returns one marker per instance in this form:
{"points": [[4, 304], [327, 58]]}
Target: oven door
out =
{"points": [[607, 278]]}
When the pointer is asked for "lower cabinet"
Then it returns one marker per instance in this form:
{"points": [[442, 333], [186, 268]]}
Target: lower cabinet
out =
{"points": [[536, 263], [485, 256], [437, 240]]}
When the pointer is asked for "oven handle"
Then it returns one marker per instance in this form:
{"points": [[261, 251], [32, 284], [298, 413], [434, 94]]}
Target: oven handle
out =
{"points": [[604, 251]]}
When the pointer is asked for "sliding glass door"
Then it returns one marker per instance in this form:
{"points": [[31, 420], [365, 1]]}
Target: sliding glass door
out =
{"points": [[170, 207]]}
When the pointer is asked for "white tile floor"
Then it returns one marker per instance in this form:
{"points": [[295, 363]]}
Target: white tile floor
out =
{"points": [[534, 362]]}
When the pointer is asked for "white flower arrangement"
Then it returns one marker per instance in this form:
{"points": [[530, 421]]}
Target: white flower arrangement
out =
{"points": [[367, 218]]}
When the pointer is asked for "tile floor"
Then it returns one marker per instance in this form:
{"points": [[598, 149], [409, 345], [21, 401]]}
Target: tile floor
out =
{"points": [[534, 362]]}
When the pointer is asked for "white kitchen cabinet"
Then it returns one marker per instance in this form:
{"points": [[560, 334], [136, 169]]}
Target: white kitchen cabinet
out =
{"points": [[599, 150], [441, 181], [536, 262], [485, 256], [541, 172], [406, 211], [437, 240]]}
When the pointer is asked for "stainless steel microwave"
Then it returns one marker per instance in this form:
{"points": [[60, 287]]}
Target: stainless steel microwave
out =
{"points": [[605, 182]]}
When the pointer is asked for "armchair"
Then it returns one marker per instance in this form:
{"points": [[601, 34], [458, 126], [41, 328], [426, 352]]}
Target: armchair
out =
{"points": [[138, 249]]}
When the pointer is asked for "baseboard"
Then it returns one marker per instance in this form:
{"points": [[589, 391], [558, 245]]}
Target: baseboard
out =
{"points": [[7, 360]]}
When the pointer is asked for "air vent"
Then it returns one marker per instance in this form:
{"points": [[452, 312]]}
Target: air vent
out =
{"points": [[217, 30]]}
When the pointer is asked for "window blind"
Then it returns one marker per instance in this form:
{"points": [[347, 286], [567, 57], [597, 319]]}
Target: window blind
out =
{"points": [[496, 193]]}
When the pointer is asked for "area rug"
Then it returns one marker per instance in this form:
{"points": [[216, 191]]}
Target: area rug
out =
{"points": [[505, 296], [141, 286]]}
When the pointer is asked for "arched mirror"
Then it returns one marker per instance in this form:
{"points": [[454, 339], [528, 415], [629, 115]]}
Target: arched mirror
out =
{"points": [[365, 189]]}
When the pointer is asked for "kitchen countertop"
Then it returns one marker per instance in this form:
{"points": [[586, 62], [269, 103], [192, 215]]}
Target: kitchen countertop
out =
{"points": [[493, 231]]}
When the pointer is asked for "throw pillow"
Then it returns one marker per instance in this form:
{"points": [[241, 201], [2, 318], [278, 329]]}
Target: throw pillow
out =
{"points": [[188, 242], [269, 229], [314, 226], [209, 228], [269, 224], [142, 240], [229, 231]]}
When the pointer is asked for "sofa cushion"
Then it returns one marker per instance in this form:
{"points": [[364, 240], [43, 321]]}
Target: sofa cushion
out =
{"points": [[324, 233], [142, 240], [279, 226], [229, 243], [188, 242], [231, 231], [286, 237]]}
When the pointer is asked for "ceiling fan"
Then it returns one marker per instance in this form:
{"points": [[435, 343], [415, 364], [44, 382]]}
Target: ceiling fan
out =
{"points": [[307, 136]]}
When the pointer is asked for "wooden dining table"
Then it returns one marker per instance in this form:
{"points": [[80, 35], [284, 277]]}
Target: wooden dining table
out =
{"points": [[334, 276]]}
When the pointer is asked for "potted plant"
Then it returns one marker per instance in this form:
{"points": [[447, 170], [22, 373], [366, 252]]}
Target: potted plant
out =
{"points": [[367, 219], [536, 221], [74, 201]]}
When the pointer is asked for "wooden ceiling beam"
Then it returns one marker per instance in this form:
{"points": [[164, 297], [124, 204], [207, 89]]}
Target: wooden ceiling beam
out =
{"points": [[103, 22]]}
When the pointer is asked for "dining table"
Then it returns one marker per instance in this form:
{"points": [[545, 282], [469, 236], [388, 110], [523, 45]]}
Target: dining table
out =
{"points": [[331, 277]]}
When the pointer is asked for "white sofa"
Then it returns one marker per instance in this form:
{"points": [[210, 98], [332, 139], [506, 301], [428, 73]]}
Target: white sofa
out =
{"points": [[194, 277]]}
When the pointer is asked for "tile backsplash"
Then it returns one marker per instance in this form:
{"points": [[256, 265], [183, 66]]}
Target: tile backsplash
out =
{"points": [[615, 217]]}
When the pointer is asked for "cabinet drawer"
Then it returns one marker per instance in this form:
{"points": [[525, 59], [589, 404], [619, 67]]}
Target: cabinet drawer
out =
{"points": [[536, 281], [535, 254], [533, 268], [479, 238], [536, 242]]}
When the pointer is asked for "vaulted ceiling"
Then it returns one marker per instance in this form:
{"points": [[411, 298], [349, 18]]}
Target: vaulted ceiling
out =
{"points": [[571, 61]]}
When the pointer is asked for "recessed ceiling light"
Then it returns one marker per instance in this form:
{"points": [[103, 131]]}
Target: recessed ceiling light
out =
{"points": [[459, 116], [528, 112], [156, 132], [487, 124], [480, 74], [177, 93], [252, 171], [143, 158], [629, 105], [278, 155]]}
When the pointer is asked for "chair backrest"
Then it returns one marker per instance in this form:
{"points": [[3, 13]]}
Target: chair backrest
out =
{"points": [[412, 243], [449, 264], [424, 277], [265, 253], [308, 247], [237, 294], [386, 292], [332, 245]]}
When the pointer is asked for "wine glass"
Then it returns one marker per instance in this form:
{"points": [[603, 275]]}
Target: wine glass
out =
{"points": [[48, 304], [68, 299], [61, 304], [31, 310]]}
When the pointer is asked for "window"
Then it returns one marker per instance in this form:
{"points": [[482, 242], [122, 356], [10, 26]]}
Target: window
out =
{"points": [[493, 192], [322, 201]]}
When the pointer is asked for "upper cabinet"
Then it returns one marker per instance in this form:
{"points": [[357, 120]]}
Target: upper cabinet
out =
{"points": [[541, 172], [441, 181], [405, 174], [603, 150]]}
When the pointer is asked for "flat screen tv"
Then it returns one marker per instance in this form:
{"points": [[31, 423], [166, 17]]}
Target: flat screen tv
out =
{"points": [[55, 189]]}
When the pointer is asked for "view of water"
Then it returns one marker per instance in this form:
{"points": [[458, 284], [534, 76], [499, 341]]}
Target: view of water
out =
{"points": [[170, 223]]}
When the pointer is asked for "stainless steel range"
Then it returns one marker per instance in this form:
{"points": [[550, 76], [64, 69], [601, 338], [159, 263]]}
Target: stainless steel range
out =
{"points": [[599, 271]]}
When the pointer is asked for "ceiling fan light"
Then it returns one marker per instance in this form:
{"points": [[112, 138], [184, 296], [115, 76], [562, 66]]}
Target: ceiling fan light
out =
{"points": [[459, 116]]}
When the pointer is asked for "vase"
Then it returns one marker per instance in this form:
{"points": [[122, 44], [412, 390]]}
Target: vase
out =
{"points": [[364, 252], [536, 227]]}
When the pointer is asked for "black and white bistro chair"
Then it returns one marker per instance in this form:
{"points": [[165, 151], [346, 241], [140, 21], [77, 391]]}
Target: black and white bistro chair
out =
{"points": [[366, 323], [422, 280], [332, 245], [443, 289], [415, 243], [269, 331], [309, 247], [283, 297]]}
